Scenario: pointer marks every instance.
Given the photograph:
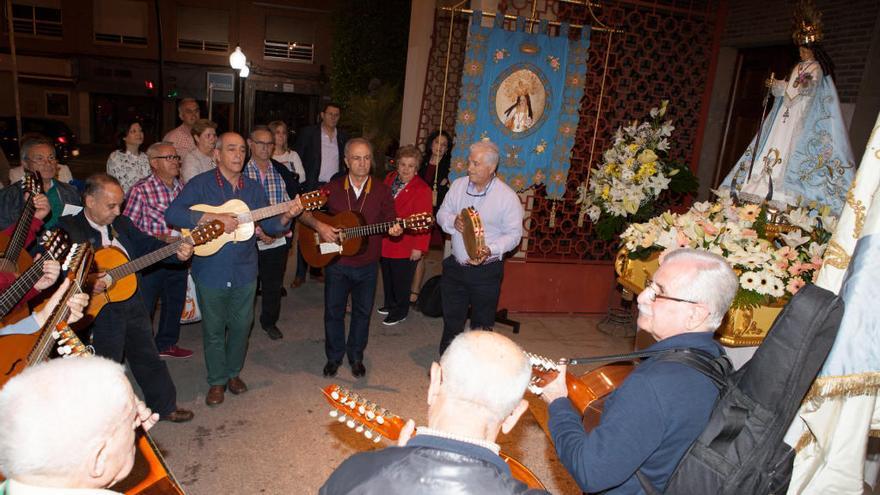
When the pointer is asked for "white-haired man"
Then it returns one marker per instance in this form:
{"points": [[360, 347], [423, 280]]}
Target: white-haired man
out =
{"points": [[476, 283], [181, 136], [661, 408], [93, 451], [476, 392]]}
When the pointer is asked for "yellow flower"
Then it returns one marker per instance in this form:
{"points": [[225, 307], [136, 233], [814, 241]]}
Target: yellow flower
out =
{"points": [[646, 170], [629, 162], [606, 192], [647, 156], [611, 169], [633, 147]]}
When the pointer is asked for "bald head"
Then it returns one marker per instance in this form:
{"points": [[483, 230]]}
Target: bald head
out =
{"points": [[487, 370]]}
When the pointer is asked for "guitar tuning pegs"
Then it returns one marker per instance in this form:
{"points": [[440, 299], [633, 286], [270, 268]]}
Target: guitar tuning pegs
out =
{"points": [[371, 412], [334, 413], [64, 350], [360, 428], [335, 394], [368, 433], [376, 439], [342, 418], [350, 423]]}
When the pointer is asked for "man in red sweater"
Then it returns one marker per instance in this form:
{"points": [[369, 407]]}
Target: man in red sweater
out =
{"points": [[352, 275]]}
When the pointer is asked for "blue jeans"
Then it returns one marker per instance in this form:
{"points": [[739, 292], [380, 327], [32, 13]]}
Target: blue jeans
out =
{"points": [[168, 284], [340, 281]]}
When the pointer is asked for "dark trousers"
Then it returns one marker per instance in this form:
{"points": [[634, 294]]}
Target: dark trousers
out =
{"points": [[466, 286], [227, 317], [272, 263], [397, 275], [123, 330], [168, 284], [340, 281]]}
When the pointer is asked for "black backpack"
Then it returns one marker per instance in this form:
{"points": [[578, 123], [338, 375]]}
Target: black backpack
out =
{"points": [[741, 450], [429, 301]]}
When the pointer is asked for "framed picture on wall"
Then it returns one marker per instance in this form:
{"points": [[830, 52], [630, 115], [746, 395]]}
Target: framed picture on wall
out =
{"points": [[57, 104]]}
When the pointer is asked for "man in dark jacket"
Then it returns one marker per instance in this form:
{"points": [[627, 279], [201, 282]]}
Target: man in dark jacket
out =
{"points": [[123, 329], [650, 421], [38, 155], [321, 148], [476, 391]]}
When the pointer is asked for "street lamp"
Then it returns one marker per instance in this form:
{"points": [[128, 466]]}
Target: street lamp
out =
{"points": [[238, 61]]}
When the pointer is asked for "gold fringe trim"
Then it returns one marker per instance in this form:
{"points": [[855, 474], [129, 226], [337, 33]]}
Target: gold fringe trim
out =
{"points": [[833, 387], [836, 256], [859, 210]]}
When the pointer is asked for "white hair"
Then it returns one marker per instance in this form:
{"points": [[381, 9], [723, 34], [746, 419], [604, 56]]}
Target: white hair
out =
{"points": [[154, 148], [487, 370], [55, 413], [713, 282], [488, 149]]}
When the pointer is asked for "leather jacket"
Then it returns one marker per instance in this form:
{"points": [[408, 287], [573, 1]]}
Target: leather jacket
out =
{"points": [[423, 470]]}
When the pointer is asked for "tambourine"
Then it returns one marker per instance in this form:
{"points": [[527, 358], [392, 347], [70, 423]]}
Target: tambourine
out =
{"points": [[473, 234]]}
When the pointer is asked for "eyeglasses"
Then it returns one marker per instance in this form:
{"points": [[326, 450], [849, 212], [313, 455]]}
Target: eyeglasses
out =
{"points": [[42, 159], [263, 143], [175, 158], [653, 295]]}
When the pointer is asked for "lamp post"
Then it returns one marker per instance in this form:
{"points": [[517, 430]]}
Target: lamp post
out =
{"points": [[238, 61]]}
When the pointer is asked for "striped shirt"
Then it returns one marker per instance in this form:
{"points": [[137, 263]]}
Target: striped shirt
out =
{"points": [[147, 200]]}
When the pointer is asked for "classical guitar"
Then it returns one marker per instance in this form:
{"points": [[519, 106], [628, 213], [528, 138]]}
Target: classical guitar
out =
{"points": [[587, 393], [354, 229], [123, 281], [13, 257], [56, 244], [246, 218], [375, 422]]}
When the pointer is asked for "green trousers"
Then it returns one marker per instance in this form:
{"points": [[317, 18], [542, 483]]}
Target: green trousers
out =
{"points": [[227, 317]]}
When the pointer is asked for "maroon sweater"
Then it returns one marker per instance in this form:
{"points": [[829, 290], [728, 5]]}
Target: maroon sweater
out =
{"points": [[375, 204]]}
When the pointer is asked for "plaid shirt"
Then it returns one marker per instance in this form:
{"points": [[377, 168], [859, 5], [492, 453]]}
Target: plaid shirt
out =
{"points": [[272, 183], [146, 203]]}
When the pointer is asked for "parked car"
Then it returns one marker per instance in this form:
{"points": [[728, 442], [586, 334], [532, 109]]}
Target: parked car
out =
{"points": [[66, 145]]}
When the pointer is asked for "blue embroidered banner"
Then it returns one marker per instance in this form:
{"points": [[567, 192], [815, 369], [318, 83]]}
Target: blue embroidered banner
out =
{"points": [[523, 91]]}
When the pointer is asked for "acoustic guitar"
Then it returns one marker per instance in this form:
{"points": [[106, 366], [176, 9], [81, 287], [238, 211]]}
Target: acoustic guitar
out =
{"points": [[587, 393], [122, 272], [13, 257], [354, 228], [375, 422], [246, 218], [56, 244]]}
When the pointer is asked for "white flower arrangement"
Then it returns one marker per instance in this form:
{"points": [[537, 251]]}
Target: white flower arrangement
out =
{"points": [[769, 267]]}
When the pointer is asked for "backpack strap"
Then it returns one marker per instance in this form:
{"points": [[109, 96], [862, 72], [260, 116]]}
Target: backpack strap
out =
{"points": [[646, 483], [716, 369], [631, 356]]}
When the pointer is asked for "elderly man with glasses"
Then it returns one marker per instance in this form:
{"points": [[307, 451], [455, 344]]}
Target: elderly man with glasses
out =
{"points": [[650, 421], [145, 206], [476, 283], [38, 155]]}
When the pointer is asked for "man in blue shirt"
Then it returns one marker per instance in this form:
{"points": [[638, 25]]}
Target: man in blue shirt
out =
{"points": [[226, 281], [661, 408]]}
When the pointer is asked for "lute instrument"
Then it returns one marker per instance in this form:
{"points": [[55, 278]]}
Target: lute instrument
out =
{"points": [[246, 218], [14, 258], [353, 229], [122, 272], [375, 422], [587, 393], [56, 244]]}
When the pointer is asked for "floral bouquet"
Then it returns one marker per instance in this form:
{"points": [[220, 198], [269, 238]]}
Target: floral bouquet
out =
{"points": [[634, 171], [773, 263]]}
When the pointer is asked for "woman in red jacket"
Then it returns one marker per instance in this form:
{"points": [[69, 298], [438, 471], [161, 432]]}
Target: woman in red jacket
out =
{"points": [[401, 254]]}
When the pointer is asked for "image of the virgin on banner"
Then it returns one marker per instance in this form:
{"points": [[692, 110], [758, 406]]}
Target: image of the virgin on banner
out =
{"points": [[522, 90]]}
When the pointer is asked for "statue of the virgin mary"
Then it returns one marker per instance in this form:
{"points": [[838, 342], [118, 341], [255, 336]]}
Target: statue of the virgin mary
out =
{"points": [[803, 151]]}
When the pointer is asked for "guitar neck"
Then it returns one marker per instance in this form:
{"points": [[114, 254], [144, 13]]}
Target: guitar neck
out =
{"points": [[265, 212], [146, 260], [371, 229], [19, 236], [46, 341], [20, 287]]}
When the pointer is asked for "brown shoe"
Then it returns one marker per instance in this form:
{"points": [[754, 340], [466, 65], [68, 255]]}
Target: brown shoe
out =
{"points": [[236, 385], [297, 281], [215, 395], [179, 416]]}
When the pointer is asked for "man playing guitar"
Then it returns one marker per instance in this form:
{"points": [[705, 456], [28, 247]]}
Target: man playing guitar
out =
{"points": [[355, 275]]}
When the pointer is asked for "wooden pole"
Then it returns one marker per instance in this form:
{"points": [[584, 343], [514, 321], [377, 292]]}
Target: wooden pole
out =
{"points": [[14, 60]]}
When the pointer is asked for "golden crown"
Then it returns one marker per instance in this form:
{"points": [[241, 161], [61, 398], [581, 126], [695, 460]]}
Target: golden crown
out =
{"points": [[807, 24]]}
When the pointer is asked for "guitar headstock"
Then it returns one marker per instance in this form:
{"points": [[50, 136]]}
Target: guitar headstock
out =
{"points": [[32, 183], [56, 242], [78, 263], [544, 370], [362, 415], [206, 232], [418, 221], [314, 199]]}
